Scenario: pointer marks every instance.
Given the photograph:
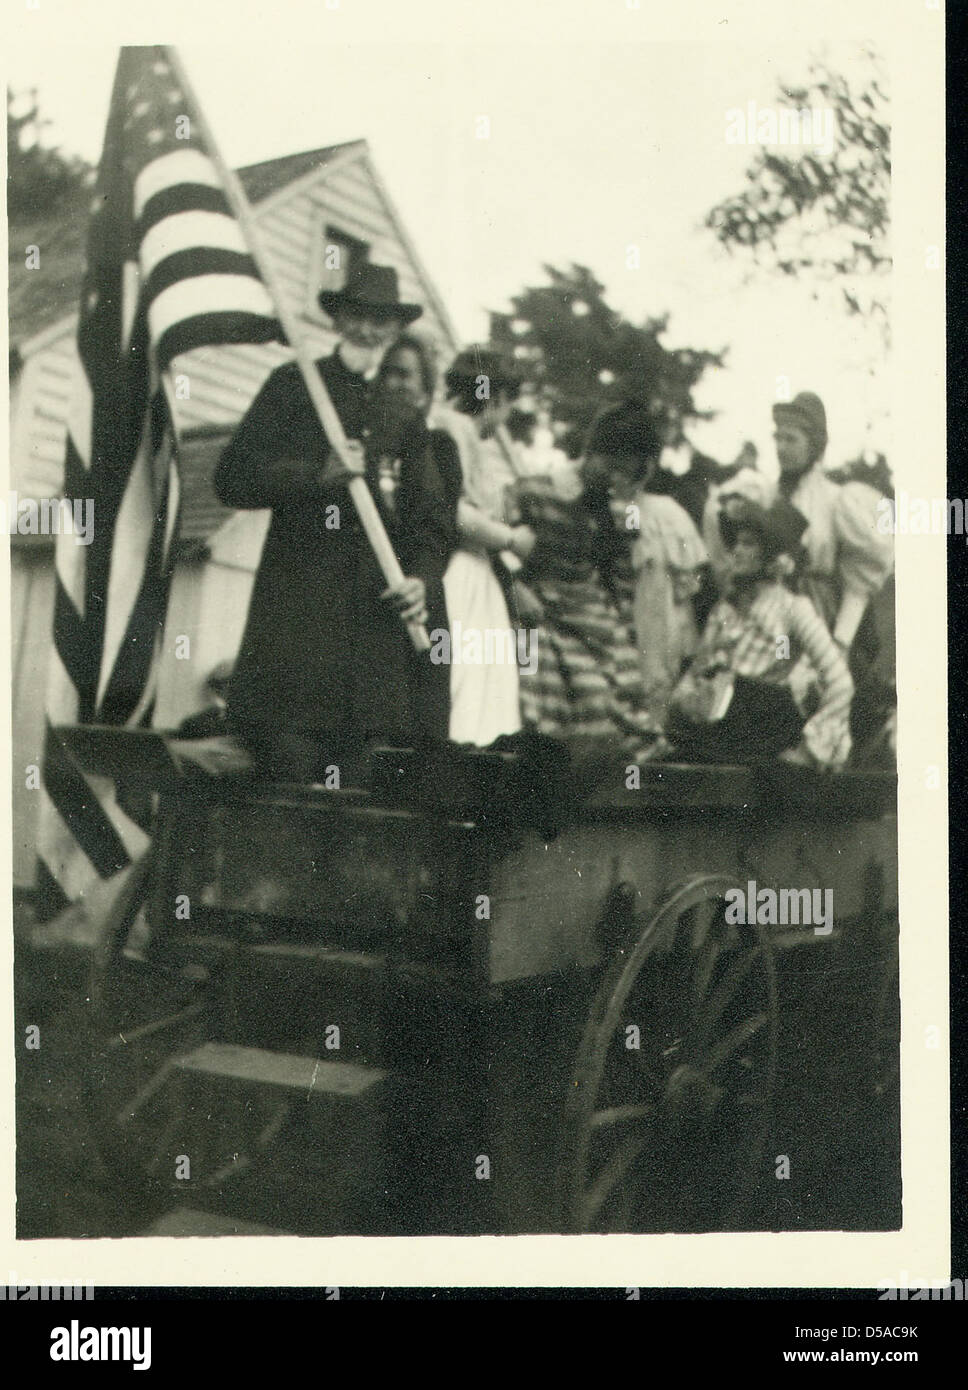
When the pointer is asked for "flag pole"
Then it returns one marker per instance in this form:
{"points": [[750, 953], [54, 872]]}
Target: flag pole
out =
{"points": [[369, 516]]}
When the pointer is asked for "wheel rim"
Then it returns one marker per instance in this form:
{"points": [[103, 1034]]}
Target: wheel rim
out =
{"points": [[670, 1135]]}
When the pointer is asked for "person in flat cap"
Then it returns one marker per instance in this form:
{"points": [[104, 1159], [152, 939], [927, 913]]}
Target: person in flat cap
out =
{"points": [[767, 678], [326, 665], [849, 574], [850, 559]]}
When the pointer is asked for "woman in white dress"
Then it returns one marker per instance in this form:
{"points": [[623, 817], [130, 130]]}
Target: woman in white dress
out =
{"points": [[484, 693]]}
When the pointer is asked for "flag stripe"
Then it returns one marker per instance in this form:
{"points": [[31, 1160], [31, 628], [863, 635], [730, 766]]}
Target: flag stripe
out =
{"points": [[183, 267], [79, 806], [226, 327], [179, 166], [79, 429], [178, 198], [131, 555], [50, 899], [77, 479], [130, 670], [70, 645], [207, 294], [186, 232], [67, 865]]}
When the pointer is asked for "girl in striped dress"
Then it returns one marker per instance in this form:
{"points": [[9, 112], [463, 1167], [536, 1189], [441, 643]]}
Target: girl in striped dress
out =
{"points": [[767, 678], [586, 682], [653, 559]]}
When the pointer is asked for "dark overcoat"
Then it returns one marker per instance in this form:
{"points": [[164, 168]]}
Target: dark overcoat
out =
{"points": [[322, 655]]}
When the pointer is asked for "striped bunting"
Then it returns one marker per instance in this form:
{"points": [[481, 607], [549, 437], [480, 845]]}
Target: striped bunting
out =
{"points": [[168, 270]]}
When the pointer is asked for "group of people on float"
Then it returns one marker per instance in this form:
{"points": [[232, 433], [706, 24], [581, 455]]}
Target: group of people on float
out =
{"points": [[699, 612]]}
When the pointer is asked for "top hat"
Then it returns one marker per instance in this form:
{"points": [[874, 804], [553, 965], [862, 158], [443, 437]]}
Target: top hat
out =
{"points": [[779, 526], [371, 290]]}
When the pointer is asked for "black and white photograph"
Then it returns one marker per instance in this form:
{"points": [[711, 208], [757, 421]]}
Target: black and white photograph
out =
{"points": [[456, 492]]}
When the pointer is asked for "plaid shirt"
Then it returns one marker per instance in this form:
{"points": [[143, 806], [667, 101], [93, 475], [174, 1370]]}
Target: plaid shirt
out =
{"points": [[783, 640]]}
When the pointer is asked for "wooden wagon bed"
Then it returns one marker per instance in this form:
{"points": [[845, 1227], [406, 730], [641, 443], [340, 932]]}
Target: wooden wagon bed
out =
{"points": [[482, 970]]}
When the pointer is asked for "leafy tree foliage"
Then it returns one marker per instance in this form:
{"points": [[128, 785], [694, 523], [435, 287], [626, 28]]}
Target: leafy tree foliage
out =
{"points": [[40, 179], [825, 213], [580, 355]]}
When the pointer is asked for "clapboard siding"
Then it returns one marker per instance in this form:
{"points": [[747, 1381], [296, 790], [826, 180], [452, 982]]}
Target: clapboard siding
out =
{"points": [[39, 424]]}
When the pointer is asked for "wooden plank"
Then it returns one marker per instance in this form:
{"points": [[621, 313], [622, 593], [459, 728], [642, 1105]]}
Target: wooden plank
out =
{"points": [[310, 1076]]}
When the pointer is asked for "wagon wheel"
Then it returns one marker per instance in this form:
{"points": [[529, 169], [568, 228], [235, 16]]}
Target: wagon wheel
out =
{"points": [[145, 1014], [672, 1134]]}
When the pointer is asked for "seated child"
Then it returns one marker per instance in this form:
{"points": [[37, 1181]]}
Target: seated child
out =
{"points": [[767, 679]]}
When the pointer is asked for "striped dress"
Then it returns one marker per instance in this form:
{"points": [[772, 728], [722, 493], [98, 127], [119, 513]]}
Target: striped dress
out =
{"points": [[587, 682], [783, 641]]}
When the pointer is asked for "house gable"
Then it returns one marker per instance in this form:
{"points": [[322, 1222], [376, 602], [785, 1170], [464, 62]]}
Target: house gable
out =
{"points": [[298, 202]]}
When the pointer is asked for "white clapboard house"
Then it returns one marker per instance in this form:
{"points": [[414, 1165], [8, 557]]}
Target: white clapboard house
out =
{"points": [[303, 204]]}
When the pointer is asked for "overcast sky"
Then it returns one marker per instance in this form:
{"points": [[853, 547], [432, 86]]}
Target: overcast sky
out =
{"points": [[592, 148]]}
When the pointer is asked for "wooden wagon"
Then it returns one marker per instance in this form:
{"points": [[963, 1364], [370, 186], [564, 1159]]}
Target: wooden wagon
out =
{"points": [[416, 1008]]}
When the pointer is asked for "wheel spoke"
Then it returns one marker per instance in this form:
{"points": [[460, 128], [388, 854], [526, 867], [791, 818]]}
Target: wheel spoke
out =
{"points": [[642, 1130], [161, 1147], [621, 1114], [146, 1030], [624, 1158], [701, 918], [233, 1168], [147, 1091], [735, 1039], [724, 993], [705, 965]]}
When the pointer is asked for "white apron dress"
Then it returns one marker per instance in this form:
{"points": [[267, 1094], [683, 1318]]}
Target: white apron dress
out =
{"points": [[484, 694]]}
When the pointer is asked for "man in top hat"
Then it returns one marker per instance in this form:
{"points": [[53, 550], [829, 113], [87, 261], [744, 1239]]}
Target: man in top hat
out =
{"points": [[326, 664]]}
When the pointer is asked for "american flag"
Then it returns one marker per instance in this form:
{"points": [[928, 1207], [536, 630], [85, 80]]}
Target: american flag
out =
{"points": [[168, 270]]}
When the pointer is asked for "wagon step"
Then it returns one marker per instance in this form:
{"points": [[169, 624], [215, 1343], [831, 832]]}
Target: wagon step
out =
{"points": [[288, 1141], [318, 1080]]}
